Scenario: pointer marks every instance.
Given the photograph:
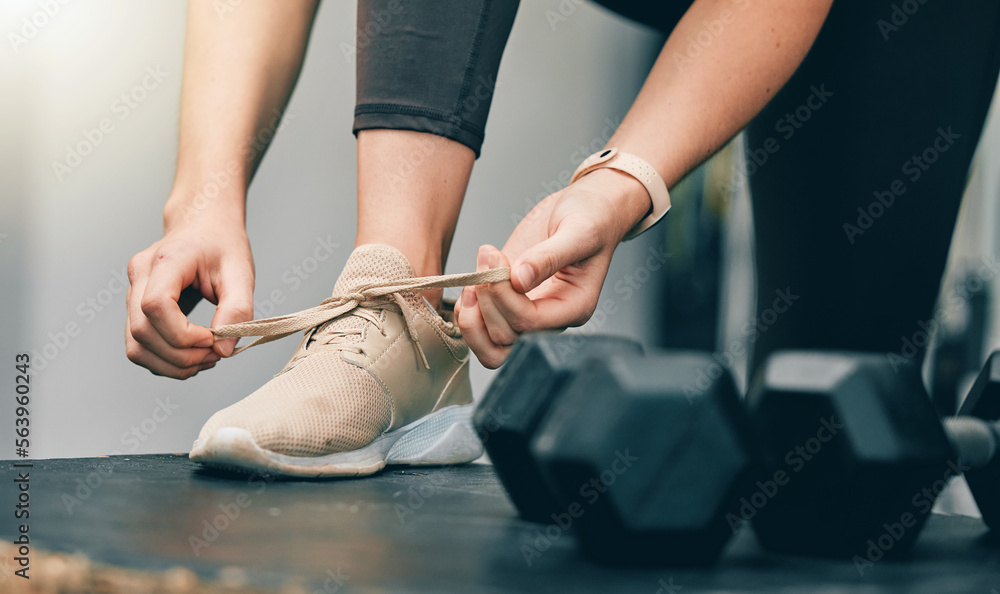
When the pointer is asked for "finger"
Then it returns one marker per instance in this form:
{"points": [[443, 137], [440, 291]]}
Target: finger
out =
{"points": [[473, 328], [150, 341], [142, 356], [145, 337], [158, 301], [235, 292], [458, 305], [567, 302], [517, 310], [496, 324], [475, 334], [569, 245], [571, 303]]}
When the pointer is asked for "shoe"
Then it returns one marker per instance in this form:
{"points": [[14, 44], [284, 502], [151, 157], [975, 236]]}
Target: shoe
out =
{"points": [[384, 379]]}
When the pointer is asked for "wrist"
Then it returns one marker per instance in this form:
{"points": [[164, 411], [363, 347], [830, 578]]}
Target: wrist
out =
{"points": [[210, 186], [205, 203], [629, 199]]}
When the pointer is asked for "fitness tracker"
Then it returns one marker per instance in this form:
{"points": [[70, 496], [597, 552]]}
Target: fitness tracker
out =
{"points": [[639, 169]]}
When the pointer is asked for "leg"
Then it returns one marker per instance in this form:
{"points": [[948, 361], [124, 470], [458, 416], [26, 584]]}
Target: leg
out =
{"points": [[420, 123], [413, 208], [867, 281]]}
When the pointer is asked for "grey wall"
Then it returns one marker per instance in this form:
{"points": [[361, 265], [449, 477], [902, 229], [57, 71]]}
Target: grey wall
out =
{"points": [[65, 237]]}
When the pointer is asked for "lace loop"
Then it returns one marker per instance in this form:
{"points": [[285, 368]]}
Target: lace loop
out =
{"points": [[270, 329]]}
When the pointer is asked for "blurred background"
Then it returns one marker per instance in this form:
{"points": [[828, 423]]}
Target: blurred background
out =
{"points": [[71, 223], [89, 119]]}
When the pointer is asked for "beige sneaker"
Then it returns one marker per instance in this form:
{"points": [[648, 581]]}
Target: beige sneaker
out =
{"points": [[382, 379]]}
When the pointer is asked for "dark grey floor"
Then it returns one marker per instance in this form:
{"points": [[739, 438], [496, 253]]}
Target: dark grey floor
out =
{"points": [[424, 530]]}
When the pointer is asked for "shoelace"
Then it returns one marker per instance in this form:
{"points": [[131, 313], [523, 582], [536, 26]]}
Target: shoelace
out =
{"points": [[336, 336], [373, 294]]}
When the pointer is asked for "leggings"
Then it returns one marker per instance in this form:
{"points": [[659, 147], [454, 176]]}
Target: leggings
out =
{"points": [[856, 168]]}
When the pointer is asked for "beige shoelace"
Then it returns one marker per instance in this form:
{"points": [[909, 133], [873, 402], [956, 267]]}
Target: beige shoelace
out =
{"points": [[369, 295]]}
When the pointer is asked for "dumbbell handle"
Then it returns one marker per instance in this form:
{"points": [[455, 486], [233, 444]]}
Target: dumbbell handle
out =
{"points": [[976, 441]]}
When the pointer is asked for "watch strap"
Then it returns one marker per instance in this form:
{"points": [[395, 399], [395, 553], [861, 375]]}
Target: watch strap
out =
{"points": [[642, 171]]}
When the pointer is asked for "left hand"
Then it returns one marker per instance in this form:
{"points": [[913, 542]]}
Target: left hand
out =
{"points": [[561, 252]]}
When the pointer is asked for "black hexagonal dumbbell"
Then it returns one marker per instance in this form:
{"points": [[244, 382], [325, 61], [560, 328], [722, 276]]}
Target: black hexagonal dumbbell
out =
{"points": [[641, 455], [861, 451], [517, 400], [651, 453]]}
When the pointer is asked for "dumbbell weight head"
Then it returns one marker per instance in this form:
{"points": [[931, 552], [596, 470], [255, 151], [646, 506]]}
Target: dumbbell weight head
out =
{"points": [[520, 395], [863, 449], [983, 402], [648, 454]]}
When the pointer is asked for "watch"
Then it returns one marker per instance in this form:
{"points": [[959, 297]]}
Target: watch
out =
{"points": [[639, 169]]}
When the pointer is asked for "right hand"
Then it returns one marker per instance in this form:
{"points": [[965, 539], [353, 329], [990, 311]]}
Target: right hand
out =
{"points": [[205, 257], [561, 252]]}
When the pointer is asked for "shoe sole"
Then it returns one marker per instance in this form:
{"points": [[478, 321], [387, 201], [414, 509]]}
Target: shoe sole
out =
{"points": [[445, 436]]}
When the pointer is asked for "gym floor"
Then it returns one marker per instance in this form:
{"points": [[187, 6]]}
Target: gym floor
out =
{"points": [[162, 523]]}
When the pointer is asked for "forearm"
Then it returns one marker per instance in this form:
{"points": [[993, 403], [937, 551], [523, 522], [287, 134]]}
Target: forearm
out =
{"points": [[239, 71], [690, 104]]}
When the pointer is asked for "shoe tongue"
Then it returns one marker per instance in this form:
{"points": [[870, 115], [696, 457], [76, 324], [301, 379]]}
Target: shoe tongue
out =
{"points": [[371, 264], [367, 264]]}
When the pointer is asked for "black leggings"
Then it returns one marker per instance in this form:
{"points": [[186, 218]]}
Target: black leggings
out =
{"points": [[856, 168]]}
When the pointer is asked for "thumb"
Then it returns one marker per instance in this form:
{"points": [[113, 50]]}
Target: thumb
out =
{"points": [[567, 246], [235, 303]]}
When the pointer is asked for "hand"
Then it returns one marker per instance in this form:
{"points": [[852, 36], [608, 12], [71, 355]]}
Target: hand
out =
{"points": [[203, 257], [561, 252]]}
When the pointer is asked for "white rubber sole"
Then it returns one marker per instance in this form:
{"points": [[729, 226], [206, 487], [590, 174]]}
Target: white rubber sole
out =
{"points": [[442, 437]]}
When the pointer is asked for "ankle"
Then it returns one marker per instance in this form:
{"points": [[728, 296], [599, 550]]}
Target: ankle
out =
{"points": [[425, 259]]}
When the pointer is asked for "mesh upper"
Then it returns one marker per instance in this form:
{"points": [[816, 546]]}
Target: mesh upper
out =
{"points": [[374, 263], [323, 404]]}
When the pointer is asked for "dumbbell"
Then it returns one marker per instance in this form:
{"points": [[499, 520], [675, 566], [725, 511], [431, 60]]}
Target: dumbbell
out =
{"points": [[519, 397], [641, 454], [858, 455]]}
